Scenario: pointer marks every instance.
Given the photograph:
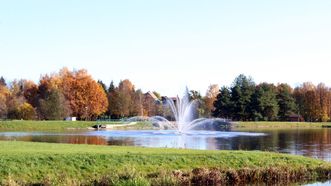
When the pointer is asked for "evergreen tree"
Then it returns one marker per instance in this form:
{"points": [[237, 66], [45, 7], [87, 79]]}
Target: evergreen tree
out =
{"points": [[264, 105], [111, 87], [2, 81], [195, 95], [114, 104], [241, 93], [286, 102], [223, 105], [54, 106]]}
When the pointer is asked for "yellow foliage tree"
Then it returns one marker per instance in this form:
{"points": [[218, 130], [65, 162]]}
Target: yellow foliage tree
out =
{"points": [[26, 112], [4, 92], [86, 97]]}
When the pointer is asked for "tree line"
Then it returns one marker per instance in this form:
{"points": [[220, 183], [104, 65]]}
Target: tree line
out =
{"points": [[75, 93], [246, 101], [56, 96]]}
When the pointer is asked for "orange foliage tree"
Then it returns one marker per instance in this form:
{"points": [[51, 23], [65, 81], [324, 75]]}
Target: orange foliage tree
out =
{"points": [[86, 97], [4, 92]]}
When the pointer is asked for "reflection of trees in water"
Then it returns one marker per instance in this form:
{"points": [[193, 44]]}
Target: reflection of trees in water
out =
{"points": [[310, 142], [316, 143], [243, 143], [121, 141], [72, 139], [95, 140]]}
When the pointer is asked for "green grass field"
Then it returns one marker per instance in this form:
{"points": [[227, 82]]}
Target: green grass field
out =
{"points": [[279, 125], [18, 125], [63, 164]]}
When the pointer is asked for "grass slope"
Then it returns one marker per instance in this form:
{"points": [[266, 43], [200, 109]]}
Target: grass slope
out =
{"points": [[64, 164], [280, 125], [18, 125], [22, 125]]}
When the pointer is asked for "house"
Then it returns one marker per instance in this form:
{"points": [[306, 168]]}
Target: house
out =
{"points": [[152, 97], [296, 118], [165, 99]]}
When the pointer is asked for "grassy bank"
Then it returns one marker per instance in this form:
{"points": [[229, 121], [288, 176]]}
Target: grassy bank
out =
{"points": [[63, 164], [279, 125], [18, 125]]}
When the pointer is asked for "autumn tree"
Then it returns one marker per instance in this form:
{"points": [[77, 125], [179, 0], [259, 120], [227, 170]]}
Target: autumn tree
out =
{"points": [[308, 101], [103, 85], [86, 97], [4, 93], [323, 95], [125, 91], [25, 111], [137, 103], [31, 94], [114, 108], [15, 99], [210, 98]]}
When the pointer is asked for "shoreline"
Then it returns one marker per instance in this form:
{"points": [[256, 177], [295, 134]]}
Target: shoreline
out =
{"points": [[23, 125], [42, 163]]}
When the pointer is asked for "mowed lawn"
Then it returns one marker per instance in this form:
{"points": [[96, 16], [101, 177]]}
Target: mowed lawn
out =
{"points": [[64, 164], [280, 125], [22, 125]]}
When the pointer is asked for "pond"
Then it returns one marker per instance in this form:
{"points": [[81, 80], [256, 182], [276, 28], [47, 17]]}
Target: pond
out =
{"points": [[314, 143]]}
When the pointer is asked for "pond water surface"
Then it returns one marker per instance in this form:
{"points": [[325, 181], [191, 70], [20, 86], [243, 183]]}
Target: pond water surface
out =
{"points": [[314, 143]]}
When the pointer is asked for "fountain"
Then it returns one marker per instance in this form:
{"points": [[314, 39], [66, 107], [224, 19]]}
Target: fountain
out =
{"points": [[182, 129], [183, 112]]}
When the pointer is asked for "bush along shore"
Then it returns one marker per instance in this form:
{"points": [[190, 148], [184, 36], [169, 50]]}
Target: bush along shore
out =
{"points": [[26, 163]]}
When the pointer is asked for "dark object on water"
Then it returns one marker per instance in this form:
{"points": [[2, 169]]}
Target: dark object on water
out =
{"points": [[326, 126], [98, 126]]}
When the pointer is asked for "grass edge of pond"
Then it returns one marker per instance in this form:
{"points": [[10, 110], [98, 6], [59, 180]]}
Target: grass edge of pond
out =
{"points": [[63, 164], [22, 125]]}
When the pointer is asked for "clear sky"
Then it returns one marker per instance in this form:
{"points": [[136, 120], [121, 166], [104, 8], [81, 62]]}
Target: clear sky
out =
{"points": [[166, 45]]}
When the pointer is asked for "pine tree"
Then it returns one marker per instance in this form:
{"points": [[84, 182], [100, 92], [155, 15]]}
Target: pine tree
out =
{"points": [[264, 105], [241, 93], [286, 102], [223, 105], [2, 81]]}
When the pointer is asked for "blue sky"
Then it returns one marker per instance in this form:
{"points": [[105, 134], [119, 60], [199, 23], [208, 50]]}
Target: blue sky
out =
{"points": [[166, 45]]}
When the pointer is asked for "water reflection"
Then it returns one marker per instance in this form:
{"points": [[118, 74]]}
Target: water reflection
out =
{"points": [[314, 143], [72, 138]]}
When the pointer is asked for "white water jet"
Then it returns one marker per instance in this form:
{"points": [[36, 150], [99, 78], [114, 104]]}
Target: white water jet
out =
{"points": [[183, 113]]}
